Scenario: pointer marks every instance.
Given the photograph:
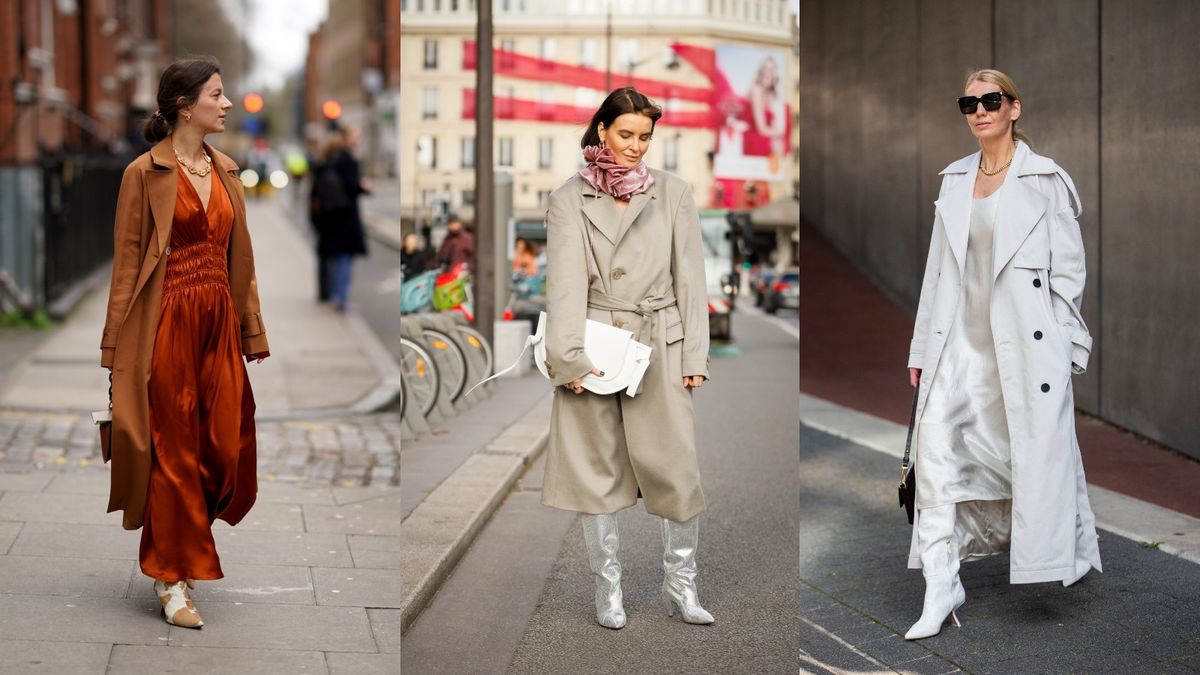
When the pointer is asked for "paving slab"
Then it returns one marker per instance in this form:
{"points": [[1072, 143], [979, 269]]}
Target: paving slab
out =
{"points": [[269, 516], [364, 664], [25, 482], [103, 620], [69, 577], [8, 534], [378, 552], [282, 548], [357, 587], [90, 483], [77, 541], [385, 625], [377, 516], [131, 660], [36, 507], [28, 657], [292, 627], [283, 493]]}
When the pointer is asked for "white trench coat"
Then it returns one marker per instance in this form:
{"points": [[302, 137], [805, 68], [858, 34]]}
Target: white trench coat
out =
{"points": [[1040, 340]]}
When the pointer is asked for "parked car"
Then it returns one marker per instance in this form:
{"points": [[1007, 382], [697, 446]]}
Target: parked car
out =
{"points": [[761, 282], [784, 291]]}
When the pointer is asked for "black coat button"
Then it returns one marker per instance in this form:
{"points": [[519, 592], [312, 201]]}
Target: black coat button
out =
{"points": [[1045, 388], [1037, 335], [1037, 283]]}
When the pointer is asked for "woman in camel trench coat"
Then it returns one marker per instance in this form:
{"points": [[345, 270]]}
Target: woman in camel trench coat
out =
{"points": [[624, 248]]}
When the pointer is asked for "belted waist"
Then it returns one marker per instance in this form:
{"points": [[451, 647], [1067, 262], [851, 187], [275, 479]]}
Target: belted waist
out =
{"points": [[647, 310]]}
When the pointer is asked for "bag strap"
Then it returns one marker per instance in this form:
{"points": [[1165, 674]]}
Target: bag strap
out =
{"points": [[912, 420], [529, 341]]}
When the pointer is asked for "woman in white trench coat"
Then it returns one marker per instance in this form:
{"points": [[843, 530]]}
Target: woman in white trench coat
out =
{"points": [[998, 335], [623, 247]]}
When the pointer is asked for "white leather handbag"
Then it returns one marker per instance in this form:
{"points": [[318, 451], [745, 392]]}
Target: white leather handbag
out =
{"points": [[612, 351]]}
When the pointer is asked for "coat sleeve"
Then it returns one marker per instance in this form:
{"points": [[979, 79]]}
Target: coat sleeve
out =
{"points": [[691, 288], [127, 257], [241, 262], [1068, 271], [567, 281], [933, 269]]}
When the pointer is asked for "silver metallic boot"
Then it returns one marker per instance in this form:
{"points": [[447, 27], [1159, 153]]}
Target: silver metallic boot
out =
{"points": [[679, 566], [600, 535]]}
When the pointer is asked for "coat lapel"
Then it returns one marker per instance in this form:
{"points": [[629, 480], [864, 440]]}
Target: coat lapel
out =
{"points": [[1019, 210], [955, 209], [599, 209], [162, 184], [636, 205]]}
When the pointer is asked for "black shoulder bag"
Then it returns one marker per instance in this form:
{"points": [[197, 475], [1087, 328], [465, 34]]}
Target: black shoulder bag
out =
{"points": [[908, 472]]}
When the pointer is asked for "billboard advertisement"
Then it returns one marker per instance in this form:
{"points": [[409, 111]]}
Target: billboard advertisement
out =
{"points": [[750, 97]]}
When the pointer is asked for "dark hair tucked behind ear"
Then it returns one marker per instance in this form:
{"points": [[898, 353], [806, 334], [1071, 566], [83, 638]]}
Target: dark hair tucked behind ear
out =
{"points": [[182, 79], [621, 101]]}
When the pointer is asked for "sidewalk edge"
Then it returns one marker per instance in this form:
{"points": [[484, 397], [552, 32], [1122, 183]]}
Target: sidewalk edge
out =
{"points": [[425, 575], [1148, 524]]}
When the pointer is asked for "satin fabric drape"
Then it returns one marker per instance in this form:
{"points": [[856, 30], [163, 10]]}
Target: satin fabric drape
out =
{"points": [[201, 405]]}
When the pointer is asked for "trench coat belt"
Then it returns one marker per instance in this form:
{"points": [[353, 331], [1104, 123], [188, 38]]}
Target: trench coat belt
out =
{"points": [[647, 310]]}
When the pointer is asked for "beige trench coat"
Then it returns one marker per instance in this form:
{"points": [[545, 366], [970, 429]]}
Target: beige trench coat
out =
{"points": [[603, 449], [141, 232]]}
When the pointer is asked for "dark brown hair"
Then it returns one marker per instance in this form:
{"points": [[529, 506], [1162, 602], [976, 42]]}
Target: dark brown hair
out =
{"points": [[181, 80], [619, 102]]}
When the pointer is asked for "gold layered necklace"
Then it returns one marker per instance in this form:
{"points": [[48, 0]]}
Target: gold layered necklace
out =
{"points": [[993, 173], [201, 172]]}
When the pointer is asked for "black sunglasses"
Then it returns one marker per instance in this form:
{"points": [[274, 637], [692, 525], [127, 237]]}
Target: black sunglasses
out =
{"points": [[991, 102]]}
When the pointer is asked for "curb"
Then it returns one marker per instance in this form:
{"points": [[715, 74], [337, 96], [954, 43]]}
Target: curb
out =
{"points": [[440, 530], [1148, 524]]}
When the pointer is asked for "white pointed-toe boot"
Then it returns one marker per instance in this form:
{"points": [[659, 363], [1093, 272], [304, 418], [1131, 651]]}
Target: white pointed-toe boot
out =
{"points": [[944, 592], [679, 567], [600, 535]]}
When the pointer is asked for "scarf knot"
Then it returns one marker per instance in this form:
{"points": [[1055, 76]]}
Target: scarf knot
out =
{"points": [[605, 174]]}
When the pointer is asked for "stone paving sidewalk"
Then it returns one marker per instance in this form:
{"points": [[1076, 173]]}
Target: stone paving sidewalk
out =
{"points": [[349, 451]]}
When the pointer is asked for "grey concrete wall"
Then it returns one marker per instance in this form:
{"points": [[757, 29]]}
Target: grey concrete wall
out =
{"points": [[1110, 91]]}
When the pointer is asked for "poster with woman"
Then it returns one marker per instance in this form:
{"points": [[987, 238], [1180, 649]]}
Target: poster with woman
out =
{"points": [[751, 96]]}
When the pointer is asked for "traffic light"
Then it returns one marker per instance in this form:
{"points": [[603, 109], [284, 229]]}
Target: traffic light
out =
{"points": [[253, 103], [331, 109]]}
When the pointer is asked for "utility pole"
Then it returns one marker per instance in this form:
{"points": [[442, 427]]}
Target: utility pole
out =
{"points": [[485, 278]]}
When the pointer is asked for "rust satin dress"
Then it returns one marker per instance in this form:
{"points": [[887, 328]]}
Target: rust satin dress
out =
{"points": [[201, 406]]}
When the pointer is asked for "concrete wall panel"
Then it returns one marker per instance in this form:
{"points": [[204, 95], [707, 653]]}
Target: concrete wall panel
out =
{"points": [[843, 71], [810, 107], [1150, 284], [1051, 50]]}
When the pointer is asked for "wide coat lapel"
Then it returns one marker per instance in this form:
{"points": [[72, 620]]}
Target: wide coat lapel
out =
{"points": [[599, 208], [1019, 210], [955, 208], [636, 204]]}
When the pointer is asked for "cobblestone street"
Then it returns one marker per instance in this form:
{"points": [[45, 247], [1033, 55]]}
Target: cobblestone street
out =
{"points": [[343, 451]]}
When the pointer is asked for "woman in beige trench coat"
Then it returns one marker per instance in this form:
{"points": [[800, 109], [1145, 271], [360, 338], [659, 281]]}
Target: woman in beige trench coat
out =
{"points": [[182, 309], [623, 247]]}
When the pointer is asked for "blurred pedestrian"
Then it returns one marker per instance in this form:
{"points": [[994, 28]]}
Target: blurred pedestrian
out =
{"points": [[337, 186], [414, 256], [524, 258], [998, 334], [458, 246], [624, 248], [182, 311]]}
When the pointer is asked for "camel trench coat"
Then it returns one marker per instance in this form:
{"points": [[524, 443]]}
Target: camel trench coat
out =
{"points": [[1040, 339], [603, 449], [141, 234]]}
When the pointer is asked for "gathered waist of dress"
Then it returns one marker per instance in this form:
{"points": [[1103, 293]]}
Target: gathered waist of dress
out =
{"points": [[196, 264]]}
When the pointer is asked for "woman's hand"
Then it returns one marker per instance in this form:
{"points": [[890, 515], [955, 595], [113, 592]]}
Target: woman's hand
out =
{"points": [[577, 386], [693, 381], [257, 358], [914, 376]]}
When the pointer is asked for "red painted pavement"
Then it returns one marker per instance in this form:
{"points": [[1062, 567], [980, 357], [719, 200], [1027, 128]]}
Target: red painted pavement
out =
{"points": [[854, 351]]}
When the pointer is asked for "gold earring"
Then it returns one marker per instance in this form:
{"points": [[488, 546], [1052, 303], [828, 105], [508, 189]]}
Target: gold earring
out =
{"points": [[187, 117]]}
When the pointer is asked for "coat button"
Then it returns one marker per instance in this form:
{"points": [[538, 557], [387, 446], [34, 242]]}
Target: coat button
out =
{"points": [[618, 323], [1037, 335], [1045, 388], [618, 273], [168, 251], [1037, 283], [549, 369]]}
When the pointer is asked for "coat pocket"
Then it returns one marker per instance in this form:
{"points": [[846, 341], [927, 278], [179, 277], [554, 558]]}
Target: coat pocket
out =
{"points": [[674, 324]]}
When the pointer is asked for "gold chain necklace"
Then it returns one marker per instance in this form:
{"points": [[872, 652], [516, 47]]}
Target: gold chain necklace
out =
{"points": [[201, 173], [993, 173]]}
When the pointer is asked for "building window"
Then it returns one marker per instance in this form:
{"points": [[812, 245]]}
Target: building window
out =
{"points": [[468, 153], [628, 55], [545, 107], [587, 53], [505, 5], [431, 54], [427, 152], [545, 152], [504, 102], [429, 101], [428, 197], [468, 198], [546, 53], [505, 154], [508, 49], [671, 153]]}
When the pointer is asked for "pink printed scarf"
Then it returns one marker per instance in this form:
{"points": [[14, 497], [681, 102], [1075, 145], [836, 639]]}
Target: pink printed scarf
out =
{"points": [[606, 175]]}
